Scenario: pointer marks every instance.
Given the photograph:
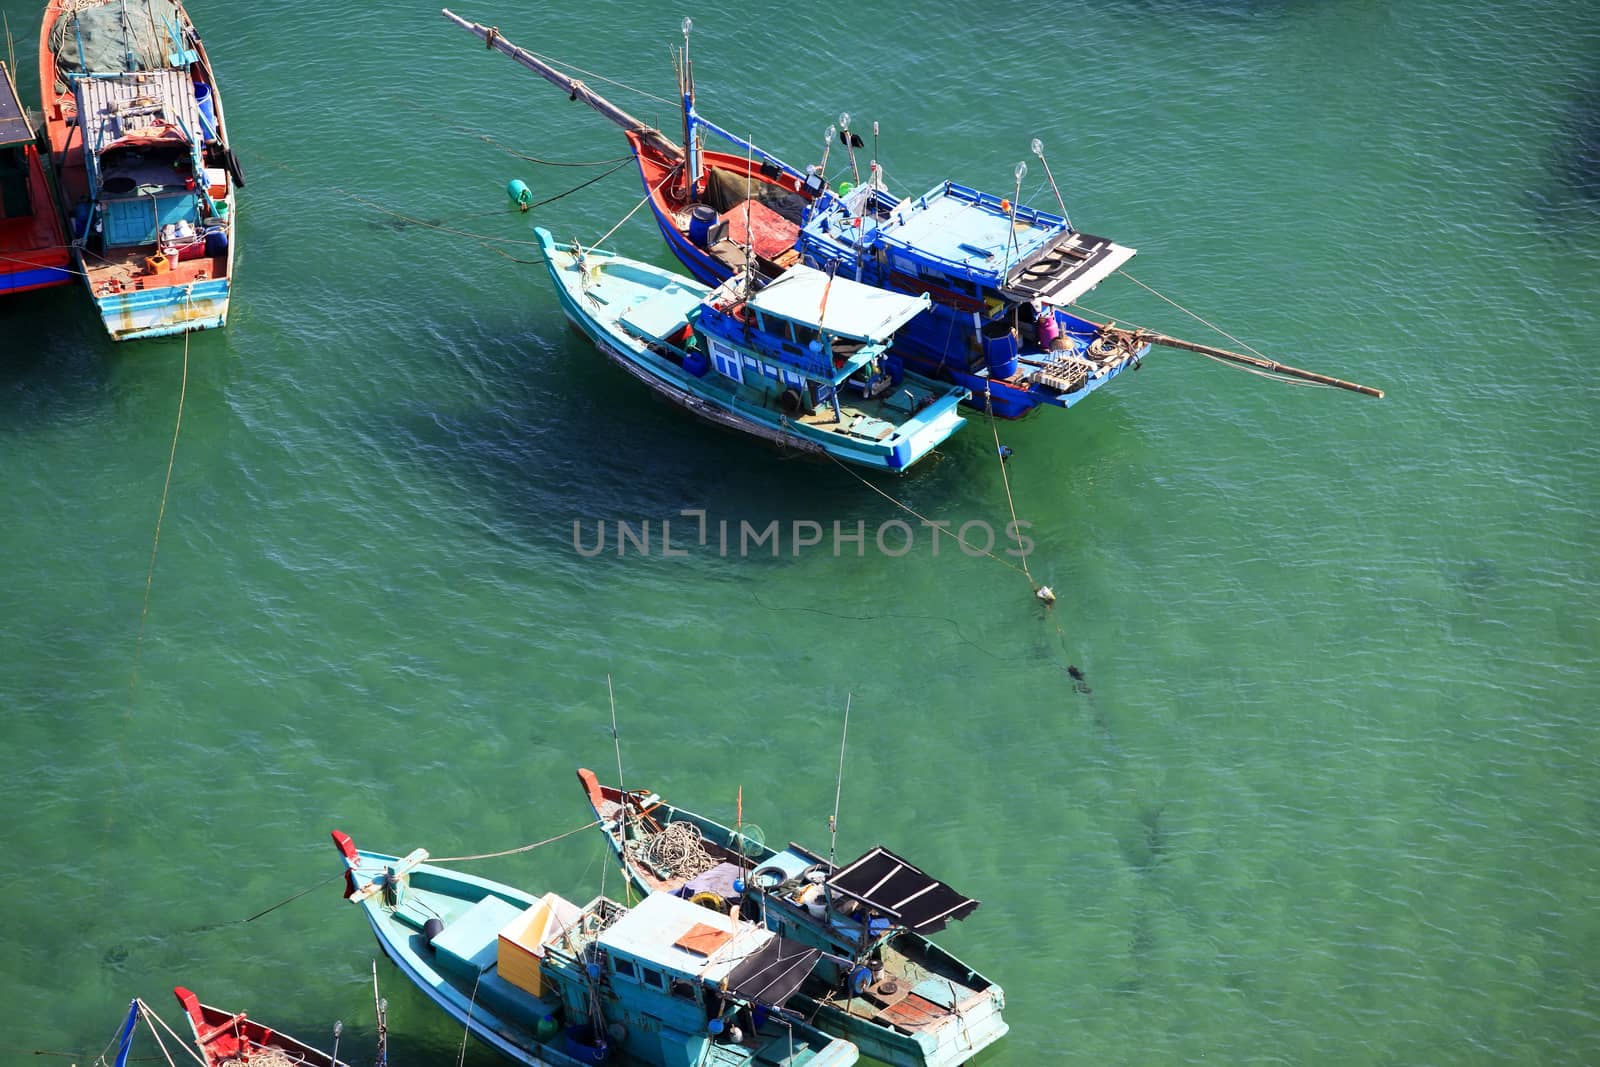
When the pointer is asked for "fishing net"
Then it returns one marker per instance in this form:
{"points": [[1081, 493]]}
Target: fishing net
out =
{"points": [[112, 35], [268, 1057]]}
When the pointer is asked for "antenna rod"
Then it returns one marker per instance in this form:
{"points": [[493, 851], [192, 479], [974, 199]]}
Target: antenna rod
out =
{"points": [[838, 789], [1038, 150], [616, 741]]}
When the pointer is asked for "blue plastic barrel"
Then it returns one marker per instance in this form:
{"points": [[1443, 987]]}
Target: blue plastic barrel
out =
{"points": [[216, 242], [701, 219], [1000, 349], [208, 110]]}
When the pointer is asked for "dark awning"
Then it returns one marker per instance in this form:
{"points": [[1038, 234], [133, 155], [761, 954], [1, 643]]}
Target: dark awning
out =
{"points": [[772, 973], [13, 124], [901, 891]]}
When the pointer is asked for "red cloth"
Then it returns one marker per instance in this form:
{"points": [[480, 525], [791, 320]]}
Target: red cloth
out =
{"points": [[773, 234]]}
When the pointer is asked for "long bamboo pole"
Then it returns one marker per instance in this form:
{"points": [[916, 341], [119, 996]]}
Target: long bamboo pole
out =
{"points": [[574, 88], [1143, 337]]}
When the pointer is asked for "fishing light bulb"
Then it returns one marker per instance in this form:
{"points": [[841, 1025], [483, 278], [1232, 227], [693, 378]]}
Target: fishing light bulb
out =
{"points": [[688, 24], [1038, 148], [844, 120], [1022, 168], [827, 138]]}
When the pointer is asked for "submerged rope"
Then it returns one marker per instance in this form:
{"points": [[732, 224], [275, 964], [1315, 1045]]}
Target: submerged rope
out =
{"points": [[913, 511]]}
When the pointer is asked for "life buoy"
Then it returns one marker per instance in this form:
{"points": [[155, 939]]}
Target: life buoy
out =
{"points": [[707, 899]]}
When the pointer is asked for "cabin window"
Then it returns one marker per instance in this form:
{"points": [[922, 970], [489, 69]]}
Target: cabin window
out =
{"points": [[624, 968], [654, 979], [803, 334], [682, 987]]}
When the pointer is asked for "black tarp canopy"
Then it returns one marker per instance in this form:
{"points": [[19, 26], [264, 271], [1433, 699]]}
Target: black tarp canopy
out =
{"points": [[772, 973], [13, 123], [901, 891]]}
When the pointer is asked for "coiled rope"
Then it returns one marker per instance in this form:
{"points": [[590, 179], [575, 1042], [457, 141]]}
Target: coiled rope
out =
{"points": [[678, 849]]}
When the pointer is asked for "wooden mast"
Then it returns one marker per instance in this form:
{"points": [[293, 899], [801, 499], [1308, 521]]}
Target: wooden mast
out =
{"points": [[575, 89]]}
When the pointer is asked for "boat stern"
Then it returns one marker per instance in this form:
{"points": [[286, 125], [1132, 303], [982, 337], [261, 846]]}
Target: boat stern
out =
{"points": [[133, 314]]}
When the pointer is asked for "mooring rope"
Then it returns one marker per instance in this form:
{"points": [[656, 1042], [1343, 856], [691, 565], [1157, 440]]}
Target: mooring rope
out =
{"points": [[45, 266], [636, 207], [1271, 377], [147, 1015], [549, 162], [514, 851], [913, 511], [999, 451], [149, 579]]}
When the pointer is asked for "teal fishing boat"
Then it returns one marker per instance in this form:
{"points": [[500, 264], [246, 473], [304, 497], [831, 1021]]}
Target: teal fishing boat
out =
{"points": [[546, 982], [805, 362], [879, 982]]}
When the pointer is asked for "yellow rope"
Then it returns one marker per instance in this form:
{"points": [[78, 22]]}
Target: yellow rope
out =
{"points": [[988, 406], [514, 851], [149, 578]]}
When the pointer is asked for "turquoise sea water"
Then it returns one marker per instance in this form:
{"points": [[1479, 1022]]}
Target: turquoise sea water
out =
{"points": [[1331, 795]]}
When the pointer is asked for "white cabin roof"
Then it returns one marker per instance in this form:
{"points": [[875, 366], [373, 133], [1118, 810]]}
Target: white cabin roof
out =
{"points": [[651, 929], [852, 310]]}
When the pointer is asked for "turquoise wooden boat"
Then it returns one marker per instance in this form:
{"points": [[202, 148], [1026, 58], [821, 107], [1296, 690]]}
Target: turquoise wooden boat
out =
{"points": [[880, 982], [546, 982], [805, 362]]}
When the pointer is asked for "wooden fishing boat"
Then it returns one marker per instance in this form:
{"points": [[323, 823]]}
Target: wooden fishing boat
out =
{"points": [[880, 982], [140, 146], [544, 981], [1001, 275], [229, 1039], [33, 243], [804, 362]]}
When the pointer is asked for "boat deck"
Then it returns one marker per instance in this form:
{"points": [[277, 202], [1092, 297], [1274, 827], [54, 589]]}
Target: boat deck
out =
{"points": [[125, 270]]}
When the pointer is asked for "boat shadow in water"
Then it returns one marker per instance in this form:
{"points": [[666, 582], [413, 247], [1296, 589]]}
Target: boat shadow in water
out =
{"points": [[60, 373], [564, 435]]}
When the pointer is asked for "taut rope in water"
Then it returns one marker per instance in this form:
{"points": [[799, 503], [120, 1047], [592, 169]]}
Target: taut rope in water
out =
{"points": [[149, 579], [514, 851]]}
